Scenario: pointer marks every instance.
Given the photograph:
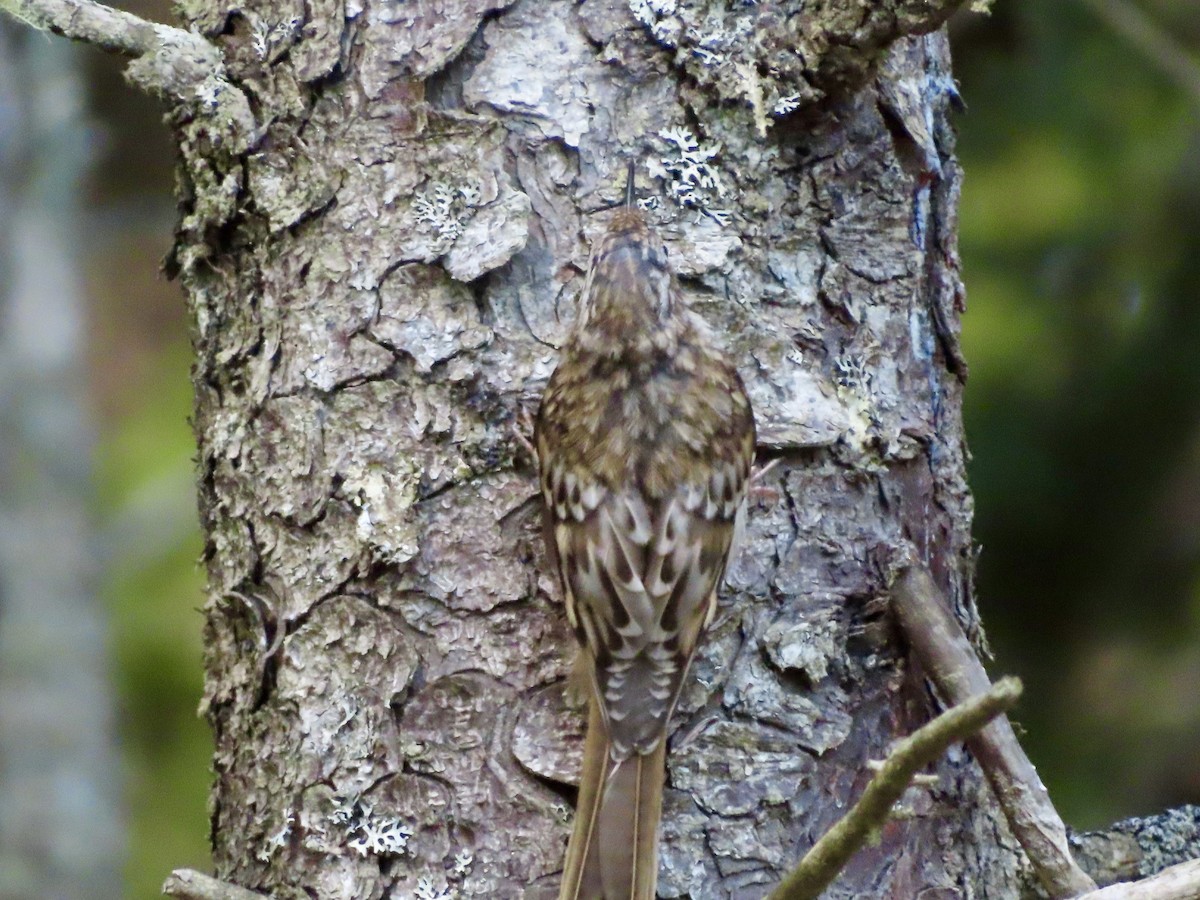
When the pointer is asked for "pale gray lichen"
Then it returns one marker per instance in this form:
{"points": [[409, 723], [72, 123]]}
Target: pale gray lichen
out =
{"points": [[691, 175], [741, 52], [445, 210], [804, 646], [851, 371], [208, 92], [646, 11], [852, 379], [279, 838], [657, 16], [413, 751], [384, 497], [370, 833], [463, 860], [716, 46], [260, 38], [562, 812], [265, 37], [381, 837], [285, 29], [426, 891], [785, 105]]}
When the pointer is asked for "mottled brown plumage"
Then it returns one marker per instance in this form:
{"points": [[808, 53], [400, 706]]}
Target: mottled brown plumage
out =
{"points": [[645, 439]]}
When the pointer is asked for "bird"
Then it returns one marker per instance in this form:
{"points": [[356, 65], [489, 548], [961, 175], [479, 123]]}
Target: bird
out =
{"points": [[645, 441]]}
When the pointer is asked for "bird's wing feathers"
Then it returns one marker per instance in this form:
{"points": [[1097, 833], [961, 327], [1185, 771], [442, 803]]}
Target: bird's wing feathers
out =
{"points": [[640, 579]]}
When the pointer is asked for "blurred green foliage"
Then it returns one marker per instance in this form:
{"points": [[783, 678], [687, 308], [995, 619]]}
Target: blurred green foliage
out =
{"points": [[153, 588], [1081, 245], [147, 500], [1080, 235]]}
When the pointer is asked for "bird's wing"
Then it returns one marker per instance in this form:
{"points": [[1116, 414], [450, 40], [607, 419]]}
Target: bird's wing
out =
{"points": [[640, 578]]}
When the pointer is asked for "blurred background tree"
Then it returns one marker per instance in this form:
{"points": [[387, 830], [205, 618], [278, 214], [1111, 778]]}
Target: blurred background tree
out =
{"points": [[1081, 243], [139, 355], [61, 828]]}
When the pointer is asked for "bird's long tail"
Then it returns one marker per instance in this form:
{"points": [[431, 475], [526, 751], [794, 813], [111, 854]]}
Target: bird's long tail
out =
{"points": [[613, 853]]}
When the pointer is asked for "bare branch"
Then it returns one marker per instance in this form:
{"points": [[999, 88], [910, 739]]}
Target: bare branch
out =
{"points": [[1181, 882], [938, 642], [167, 61], [189, 884], [831, 853]]}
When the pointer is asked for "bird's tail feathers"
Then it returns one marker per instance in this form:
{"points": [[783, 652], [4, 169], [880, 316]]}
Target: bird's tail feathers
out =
{"points": [[613, 853]]}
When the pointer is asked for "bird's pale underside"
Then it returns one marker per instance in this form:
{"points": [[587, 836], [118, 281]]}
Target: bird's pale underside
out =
{"points": [[645, 442]]}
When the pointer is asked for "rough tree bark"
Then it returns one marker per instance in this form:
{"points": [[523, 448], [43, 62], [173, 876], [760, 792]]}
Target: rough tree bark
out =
{"points": [[380, 274], [387, 209]]}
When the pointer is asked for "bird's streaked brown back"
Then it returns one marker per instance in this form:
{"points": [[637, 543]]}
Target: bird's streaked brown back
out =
{"points": [[645, 441]]}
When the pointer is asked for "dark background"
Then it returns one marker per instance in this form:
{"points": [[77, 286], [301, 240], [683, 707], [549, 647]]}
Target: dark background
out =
{"points": [[1081, 245]]}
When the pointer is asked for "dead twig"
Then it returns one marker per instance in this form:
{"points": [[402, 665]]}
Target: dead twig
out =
{"points": [[831, 853], [167, 61], [939, 644], [1181, 882], [188, 884]]}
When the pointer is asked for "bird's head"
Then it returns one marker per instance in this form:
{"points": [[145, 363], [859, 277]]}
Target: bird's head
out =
{"points": [[629, 289]]}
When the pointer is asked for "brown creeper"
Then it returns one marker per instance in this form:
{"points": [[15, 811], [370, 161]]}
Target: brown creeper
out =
{"points": [[645, 439]]}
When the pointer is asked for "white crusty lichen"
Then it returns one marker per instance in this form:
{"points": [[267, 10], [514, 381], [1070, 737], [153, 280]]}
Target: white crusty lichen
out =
{"points": [[646, 11], [463, 860], [384, 499], [717, 46], [658, 16], [852, 378], [720, 45], [370, 833], [691, 175], [208, 92], [279, 838], [851, 371], [753, 91], [381, 837], [260, 38], [265, 37], [426, 891], [444, 210], [647, 204], [785, 105], [562, 812]]}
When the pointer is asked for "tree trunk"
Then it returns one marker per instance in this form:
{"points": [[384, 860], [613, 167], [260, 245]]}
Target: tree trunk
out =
{"points": [[388, 211]]}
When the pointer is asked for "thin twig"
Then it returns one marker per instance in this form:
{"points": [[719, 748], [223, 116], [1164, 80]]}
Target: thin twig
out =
{"points": [[1181, 882], [110, 29], [188, 884], [831, 853], [939, 644], [169, 61], [1152, 41]]}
